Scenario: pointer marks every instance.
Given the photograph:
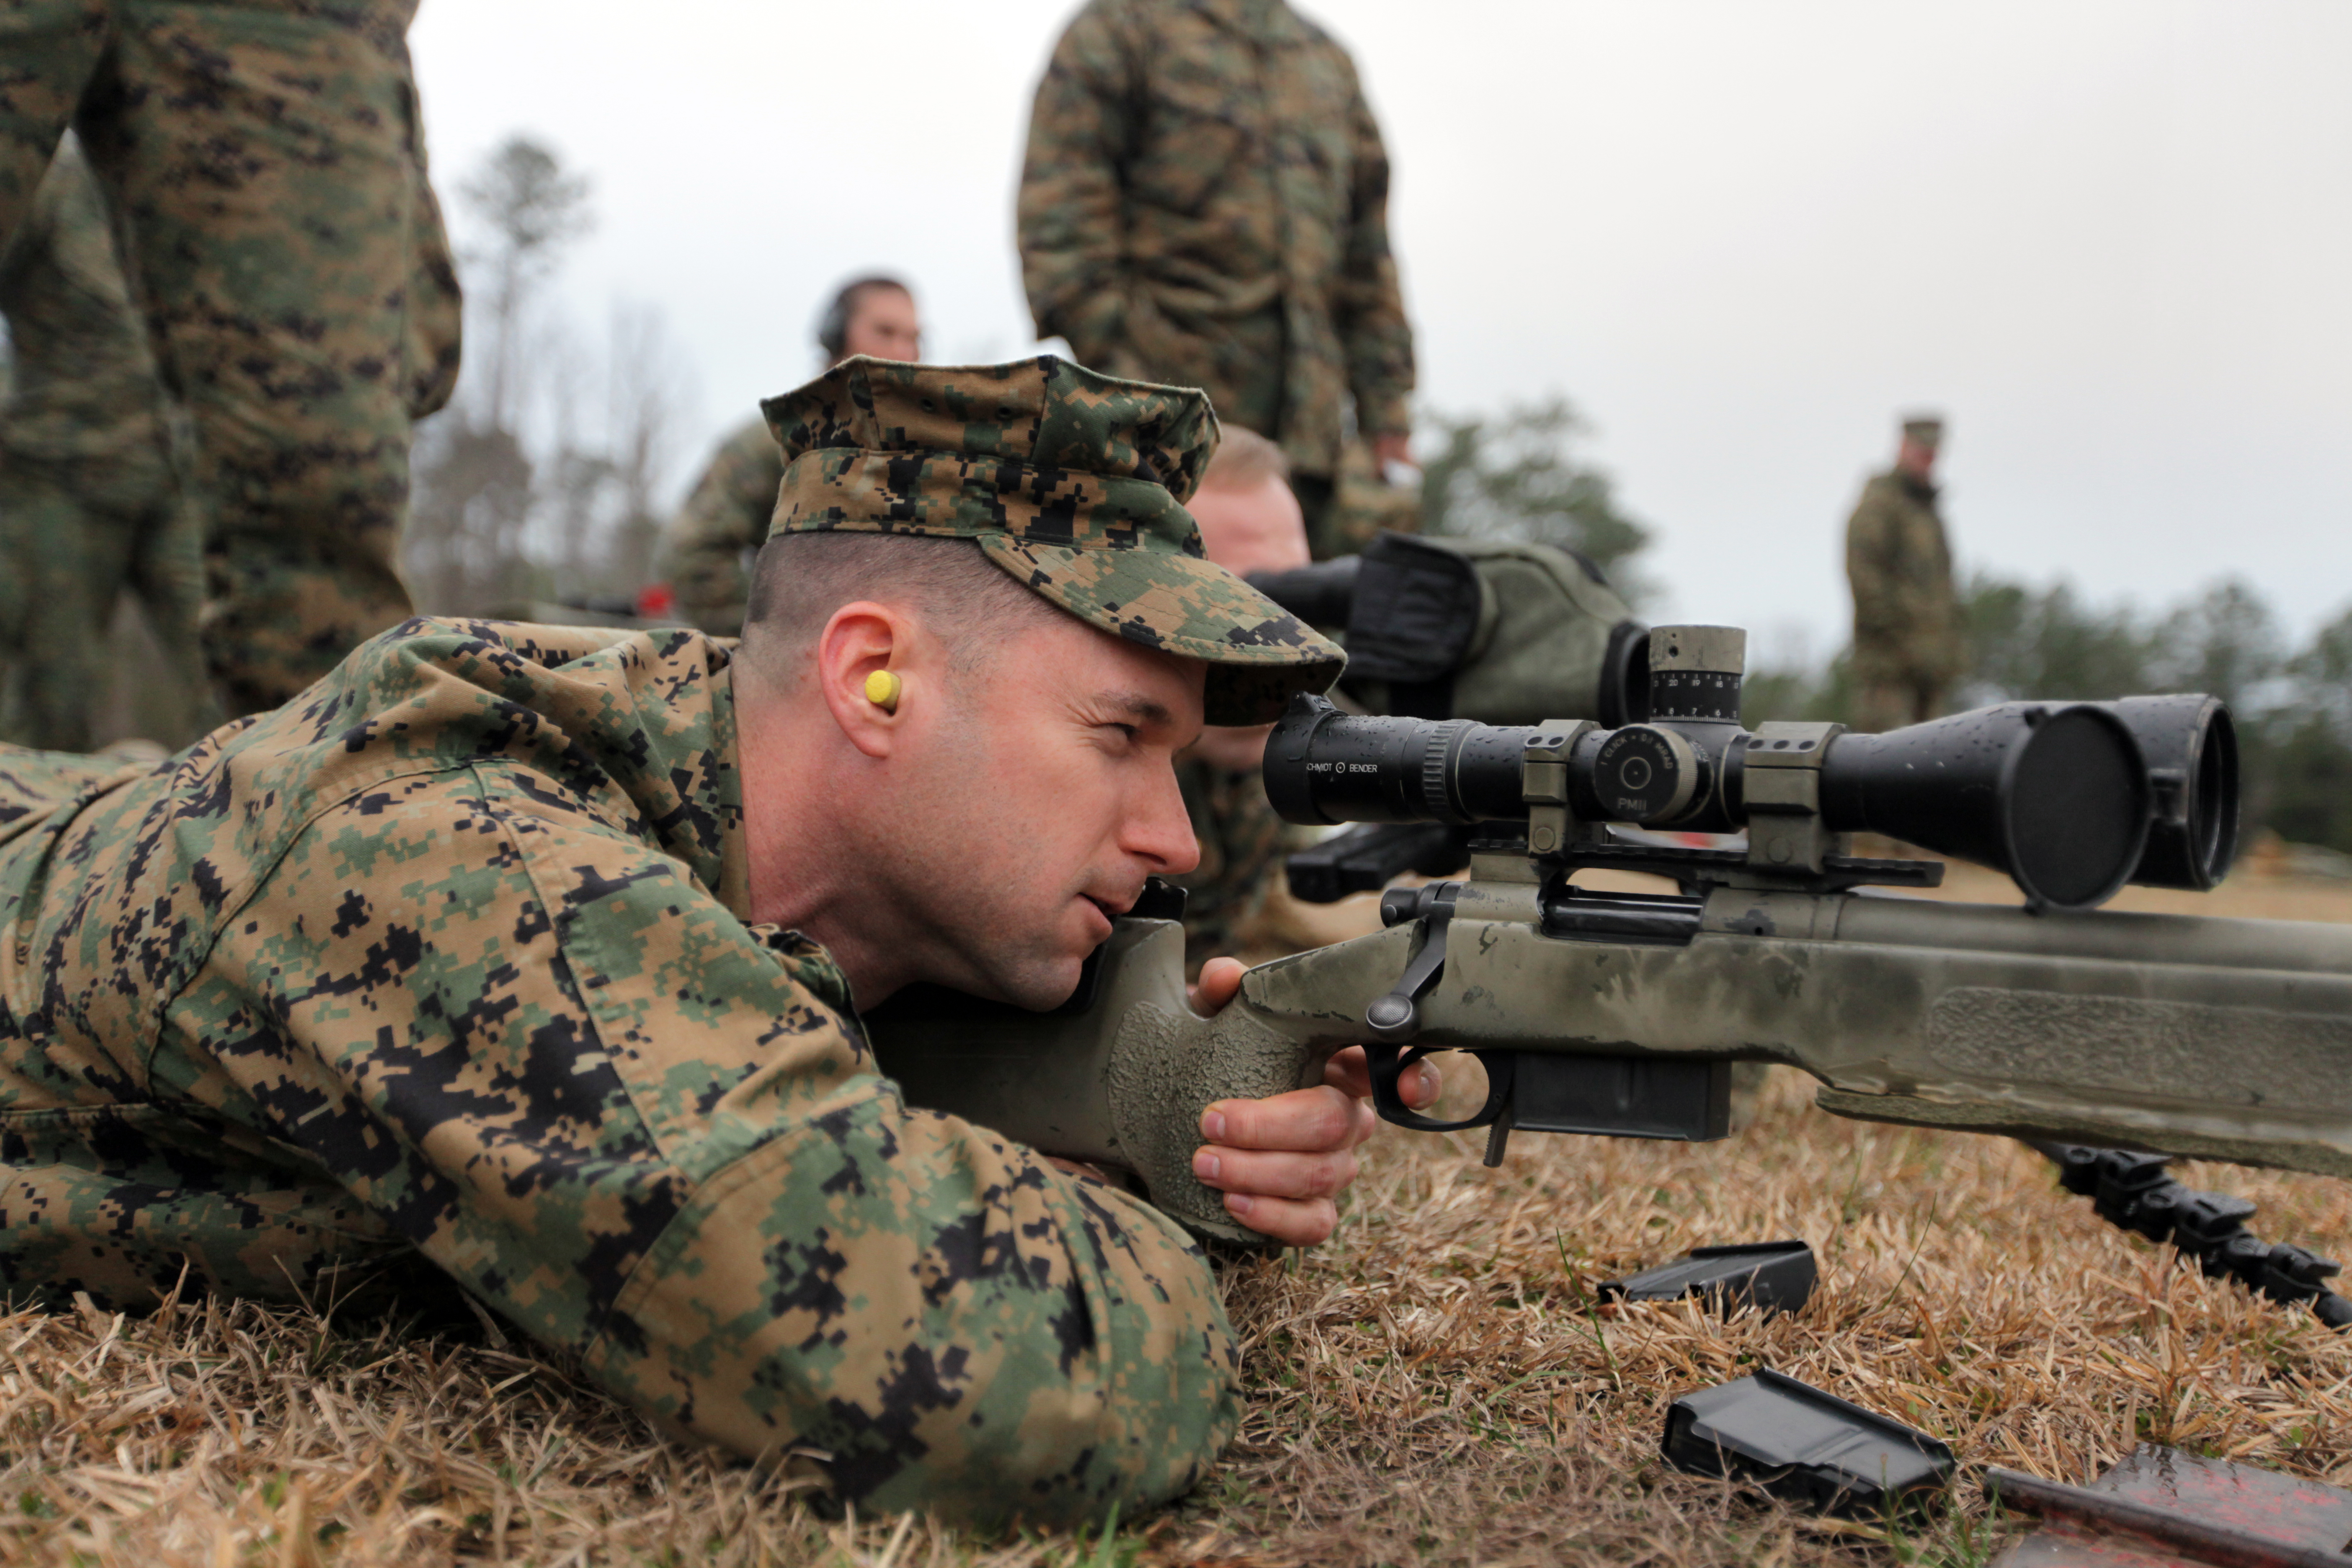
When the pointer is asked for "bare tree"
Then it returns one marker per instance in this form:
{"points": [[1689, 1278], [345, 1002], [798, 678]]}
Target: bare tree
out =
{"points": [[468, 548], [645, 409], [533, 207]]}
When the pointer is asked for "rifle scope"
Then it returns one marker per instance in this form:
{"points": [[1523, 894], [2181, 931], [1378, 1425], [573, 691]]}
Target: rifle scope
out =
{"points": [[2061, 797]]}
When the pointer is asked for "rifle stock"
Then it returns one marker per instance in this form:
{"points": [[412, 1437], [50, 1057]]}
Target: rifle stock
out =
{"points": [[2219, 1038]]}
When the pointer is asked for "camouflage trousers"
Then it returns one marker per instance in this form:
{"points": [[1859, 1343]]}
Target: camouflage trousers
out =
{"points": [[266, 157], [1890, 690], [73, 537]]}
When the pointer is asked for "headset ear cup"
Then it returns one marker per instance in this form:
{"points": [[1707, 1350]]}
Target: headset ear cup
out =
{"points": [[833, 327]]}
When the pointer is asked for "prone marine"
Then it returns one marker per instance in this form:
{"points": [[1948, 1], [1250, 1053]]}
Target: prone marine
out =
{"points": [[538, 952]]}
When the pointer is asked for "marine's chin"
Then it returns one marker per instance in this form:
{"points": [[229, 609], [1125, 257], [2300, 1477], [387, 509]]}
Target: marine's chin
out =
{"points": [[1040, 982]]}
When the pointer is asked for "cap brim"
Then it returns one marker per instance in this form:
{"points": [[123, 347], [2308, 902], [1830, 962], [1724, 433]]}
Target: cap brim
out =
{"points": [[1258, 653]]}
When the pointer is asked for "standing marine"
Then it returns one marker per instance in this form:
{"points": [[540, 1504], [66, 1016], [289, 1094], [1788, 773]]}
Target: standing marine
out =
{"points": [[1204, 201], [1909, 645], [707, 548], [266, 164], [90, 502]]}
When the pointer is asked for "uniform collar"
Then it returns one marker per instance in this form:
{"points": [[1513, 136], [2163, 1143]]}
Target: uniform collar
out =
{"points": [[696, 753]]}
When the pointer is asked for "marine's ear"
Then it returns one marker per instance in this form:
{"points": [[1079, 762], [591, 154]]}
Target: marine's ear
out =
{"points": [[864, 658]]}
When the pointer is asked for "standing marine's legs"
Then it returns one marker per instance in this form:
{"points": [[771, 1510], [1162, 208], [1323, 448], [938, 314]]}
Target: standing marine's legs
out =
{"points": [[56, 548], [261, 154], [48, 49]]}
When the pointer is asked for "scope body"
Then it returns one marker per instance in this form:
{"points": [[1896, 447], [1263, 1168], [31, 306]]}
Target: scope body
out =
{"points": [[2072, 800]]}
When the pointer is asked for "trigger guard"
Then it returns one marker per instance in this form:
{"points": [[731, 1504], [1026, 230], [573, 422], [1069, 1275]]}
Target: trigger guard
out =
{"points": [[1388, 1063]]}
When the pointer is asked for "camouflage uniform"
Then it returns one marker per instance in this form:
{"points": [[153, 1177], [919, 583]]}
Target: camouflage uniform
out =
{"points": [[453, 956], [1205, 202], [266, 157], [90, 501], [1907, 639], [725, 517]]}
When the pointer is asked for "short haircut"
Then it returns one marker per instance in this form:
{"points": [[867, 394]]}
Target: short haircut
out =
{"points": [[1244, 458], [801, 579]]}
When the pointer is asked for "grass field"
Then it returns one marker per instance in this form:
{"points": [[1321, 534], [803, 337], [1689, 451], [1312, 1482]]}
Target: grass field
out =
{"points": [[1437, 1386]]}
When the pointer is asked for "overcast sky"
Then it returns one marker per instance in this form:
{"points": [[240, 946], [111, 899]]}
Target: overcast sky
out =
{"points": [[2112, 239]]}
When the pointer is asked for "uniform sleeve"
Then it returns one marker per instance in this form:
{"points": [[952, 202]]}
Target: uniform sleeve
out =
{"points": [[727, 513], [653, 1137], [1367, 304], [1071, 215]]}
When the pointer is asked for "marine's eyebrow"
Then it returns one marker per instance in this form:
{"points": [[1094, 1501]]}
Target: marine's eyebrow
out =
{"points": [[1135, 705]]}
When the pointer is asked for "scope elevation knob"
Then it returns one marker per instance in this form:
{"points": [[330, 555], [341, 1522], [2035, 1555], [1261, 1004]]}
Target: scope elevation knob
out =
{"points": [[1695, 673]]}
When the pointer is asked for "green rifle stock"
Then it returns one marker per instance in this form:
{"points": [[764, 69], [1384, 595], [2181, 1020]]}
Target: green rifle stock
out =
{"points": [[2222, 1039]]}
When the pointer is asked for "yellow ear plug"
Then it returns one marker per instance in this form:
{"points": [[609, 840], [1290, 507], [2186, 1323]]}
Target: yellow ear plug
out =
{"points": [[882, 688]]}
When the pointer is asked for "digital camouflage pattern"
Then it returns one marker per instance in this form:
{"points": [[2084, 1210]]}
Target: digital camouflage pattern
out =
{"points": [[1071, 481], [452, 957], [726, 515], [268, 159], [1909, 642], [90, 503], [1204, 201]]}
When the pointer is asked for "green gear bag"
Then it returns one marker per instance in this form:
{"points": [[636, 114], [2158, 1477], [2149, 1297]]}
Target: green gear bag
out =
{"points": [[1499, 632]]}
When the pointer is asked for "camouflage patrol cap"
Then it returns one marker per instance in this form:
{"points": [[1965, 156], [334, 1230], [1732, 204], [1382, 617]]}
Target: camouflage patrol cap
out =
{"points": [[1927, 429], [1071, 481]]}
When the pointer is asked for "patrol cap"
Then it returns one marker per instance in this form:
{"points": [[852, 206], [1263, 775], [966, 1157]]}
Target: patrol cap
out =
{"points": [[1073, 482], [1927, 429]]}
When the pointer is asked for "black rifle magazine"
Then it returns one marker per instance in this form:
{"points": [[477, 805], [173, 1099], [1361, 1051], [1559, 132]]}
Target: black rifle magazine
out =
{"points": [[1794, 1441], [1770, 1276]]}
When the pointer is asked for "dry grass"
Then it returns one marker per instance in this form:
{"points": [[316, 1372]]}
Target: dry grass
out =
{"points": [[1436, 1386]]}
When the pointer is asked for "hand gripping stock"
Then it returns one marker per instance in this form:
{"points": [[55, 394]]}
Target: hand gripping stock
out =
{"points": [[1120, 1074]]}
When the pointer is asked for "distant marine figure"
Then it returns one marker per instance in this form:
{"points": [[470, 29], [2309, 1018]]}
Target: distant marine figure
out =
{"points": [[267, 162], [1909, 645], [705, 551], [1205, 202], [90, 503]]}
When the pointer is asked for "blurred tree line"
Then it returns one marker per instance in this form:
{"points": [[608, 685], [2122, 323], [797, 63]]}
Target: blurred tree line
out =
{"points": [[2293, 704], [1518, 475], [538, 482]]}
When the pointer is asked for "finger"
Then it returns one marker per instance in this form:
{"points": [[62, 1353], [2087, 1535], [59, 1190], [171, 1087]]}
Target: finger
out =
{"points": [[1307, 1121], [1418, 1085], [1269, 1175], [1291, 1222], [1220, 983]]}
